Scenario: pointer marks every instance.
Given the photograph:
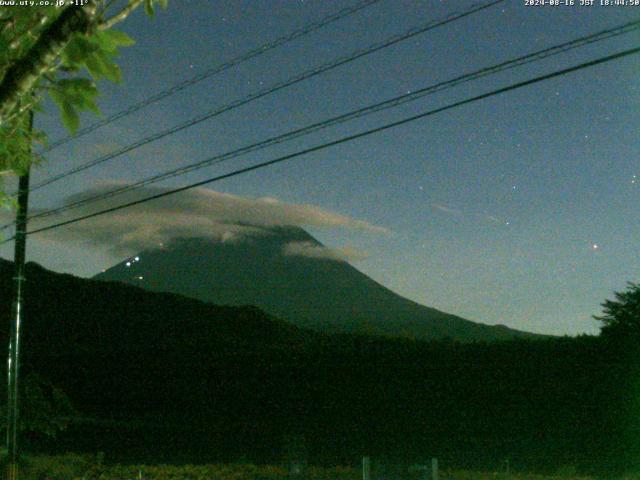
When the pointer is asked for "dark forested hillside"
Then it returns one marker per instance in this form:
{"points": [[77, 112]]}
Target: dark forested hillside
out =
{"points": [[160, 377], [323, 294]]}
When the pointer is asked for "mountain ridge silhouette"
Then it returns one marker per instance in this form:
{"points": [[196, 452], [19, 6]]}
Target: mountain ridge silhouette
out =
{"points": [[322, 294]]}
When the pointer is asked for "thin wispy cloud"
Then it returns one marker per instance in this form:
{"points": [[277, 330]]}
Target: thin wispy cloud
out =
{"points": [[469, 216], [199, 212], [446, 209], [313, 250]]}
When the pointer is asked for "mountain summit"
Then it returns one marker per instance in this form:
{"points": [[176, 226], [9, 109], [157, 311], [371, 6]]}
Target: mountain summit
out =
{"points": [[289, 274]]}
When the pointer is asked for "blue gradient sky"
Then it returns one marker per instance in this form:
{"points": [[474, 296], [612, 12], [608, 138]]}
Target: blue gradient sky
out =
{"points": [[495, 208]]}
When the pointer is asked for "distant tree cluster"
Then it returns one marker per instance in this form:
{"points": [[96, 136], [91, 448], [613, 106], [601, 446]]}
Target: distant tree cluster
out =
{"points": [[45, 409], [621, 317]]}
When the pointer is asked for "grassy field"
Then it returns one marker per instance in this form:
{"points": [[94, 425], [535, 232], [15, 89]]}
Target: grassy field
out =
{"points": [[79, 467]]}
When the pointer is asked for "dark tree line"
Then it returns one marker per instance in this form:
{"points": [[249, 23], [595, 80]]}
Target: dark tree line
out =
{"points": [[162, 378]]}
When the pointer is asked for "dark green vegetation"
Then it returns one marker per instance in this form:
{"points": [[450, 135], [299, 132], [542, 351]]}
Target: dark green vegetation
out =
{"points": [[44, 49], [325, 295], [89, 467], [162, 378]]}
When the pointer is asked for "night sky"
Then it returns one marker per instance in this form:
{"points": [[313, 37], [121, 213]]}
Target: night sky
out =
{"points": [[521, 209]]}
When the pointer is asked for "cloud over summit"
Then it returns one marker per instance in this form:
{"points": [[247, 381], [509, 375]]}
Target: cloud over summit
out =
{"points": [[199, 212], [313, 250]]}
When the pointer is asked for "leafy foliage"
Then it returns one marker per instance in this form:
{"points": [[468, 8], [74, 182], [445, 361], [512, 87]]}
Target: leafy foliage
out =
{"points": [[72, 95], [621, 317], [24, 30], [45, 409]]}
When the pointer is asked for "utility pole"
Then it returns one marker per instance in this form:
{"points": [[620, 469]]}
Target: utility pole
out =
{"points": [[17, 308]]}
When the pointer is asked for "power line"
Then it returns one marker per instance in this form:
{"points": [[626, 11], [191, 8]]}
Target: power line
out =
{"points": [[339, 141], [390, 103], [305, 30], [272, 89]]}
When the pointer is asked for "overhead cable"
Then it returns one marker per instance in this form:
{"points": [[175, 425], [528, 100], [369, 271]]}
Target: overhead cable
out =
{"points": [[271, 89], [342, 140], [178, 87], [368, 110]]}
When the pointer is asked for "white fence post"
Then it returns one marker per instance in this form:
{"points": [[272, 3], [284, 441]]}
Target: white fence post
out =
{"points": [[366, 468], [434, 469]]}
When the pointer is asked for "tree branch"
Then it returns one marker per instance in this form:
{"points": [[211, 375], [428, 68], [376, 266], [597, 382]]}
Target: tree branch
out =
{"points": [[28, 30], [21, 77], [121, 15]]}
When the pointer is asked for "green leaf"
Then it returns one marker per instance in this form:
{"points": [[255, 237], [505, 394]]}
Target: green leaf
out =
{"points": [[7, 202], [112, 39], [95, 67], [70, 117], [148, 7], [77, 85], [80, 92], [100, 65], [111, 70], [57, 96], [78, 50], [90, 104], [15, 144], [40, 137]]}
